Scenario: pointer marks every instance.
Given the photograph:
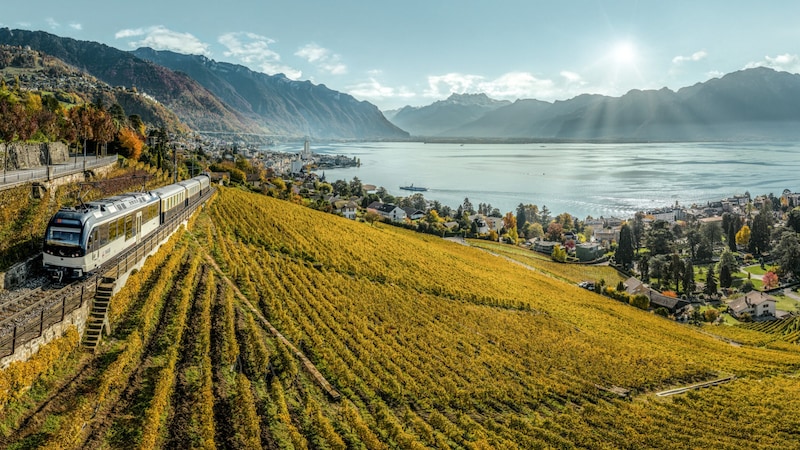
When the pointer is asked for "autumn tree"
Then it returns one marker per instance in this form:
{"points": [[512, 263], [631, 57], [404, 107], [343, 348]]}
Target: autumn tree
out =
{"points": [[131, 142], [770, 280], [554, 231], [743, 236]]}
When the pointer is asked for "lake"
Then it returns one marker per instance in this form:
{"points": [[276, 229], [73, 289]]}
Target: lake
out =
{"points": [[581, 179]]}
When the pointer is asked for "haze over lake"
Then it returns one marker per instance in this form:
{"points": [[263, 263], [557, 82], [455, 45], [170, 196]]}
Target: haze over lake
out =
{"points": [[582, 179]]}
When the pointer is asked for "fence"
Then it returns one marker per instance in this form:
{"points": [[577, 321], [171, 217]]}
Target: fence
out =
{"points": [[30, 323], [14, 178]]}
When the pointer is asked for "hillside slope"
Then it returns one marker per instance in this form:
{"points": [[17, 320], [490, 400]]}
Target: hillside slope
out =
{"points": [[430, 343], [284, 106]]}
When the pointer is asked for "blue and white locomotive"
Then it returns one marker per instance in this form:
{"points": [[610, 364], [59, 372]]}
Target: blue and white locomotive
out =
{"points": [[79, 240]]}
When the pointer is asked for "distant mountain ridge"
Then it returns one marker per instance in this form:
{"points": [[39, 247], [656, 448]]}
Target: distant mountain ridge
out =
{"points": [[457, 110], [751, 104], [219, 97]]}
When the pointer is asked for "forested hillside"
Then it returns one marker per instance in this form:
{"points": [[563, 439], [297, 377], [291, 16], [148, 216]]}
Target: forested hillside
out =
{"points": [[430, 344]]}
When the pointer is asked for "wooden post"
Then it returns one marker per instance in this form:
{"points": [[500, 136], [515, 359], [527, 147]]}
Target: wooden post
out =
{"points": [[14, 341], [63, 307], [41, 322]]}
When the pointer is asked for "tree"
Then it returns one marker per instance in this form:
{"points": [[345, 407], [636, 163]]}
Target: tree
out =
{"points": [[743, 236], [626, 247], [788, 254], [510, 222], [533, 230], [640, 301], [341, 188], [688, 277], [131, 142], [770, 280], [660, 238], [356, 187], [712, 232], [559, 254], [467, 206], [371, 217], [759, 234], [793, 220], [693, 238], [638, 229], [658, 267], [432, 217], [711, 281], [554, 231], [644, 268], [522, 218], [727, 265], [676, 268], [544, 215]]}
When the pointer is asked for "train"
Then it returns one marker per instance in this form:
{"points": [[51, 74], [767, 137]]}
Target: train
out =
{"points": [[79, 240]]}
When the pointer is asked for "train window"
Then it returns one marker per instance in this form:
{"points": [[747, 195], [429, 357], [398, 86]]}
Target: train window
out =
{"points": [[103, 235], [64, 236], [128, 227], [112, 230], [120, 226]]}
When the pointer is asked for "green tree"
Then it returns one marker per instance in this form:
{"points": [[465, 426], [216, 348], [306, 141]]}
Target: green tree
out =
{"points": [[522, 218], [676, 269], [793, 220], [660, 239], [356, 188], [638, 229], [693, 238], [727, 266], [759, 234], [689, 285], [640, 301], [533, 230], [788, 254], [544, 216], [712, 232], [711, 281], [626, 247]]}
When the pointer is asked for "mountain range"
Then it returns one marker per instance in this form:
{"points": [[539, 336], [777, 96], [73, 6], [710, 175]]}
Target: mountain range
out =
{"points": [[752, 104], [219, 97]]}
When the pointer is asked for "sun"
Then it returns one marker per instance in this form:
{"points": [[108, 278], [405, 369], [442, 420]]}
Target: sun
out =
{"points": [[624, 53]]}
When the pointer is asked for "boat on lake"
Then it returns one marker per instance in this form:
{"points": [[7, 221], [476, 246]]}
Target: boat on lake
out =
{"points": [[414, 188]]}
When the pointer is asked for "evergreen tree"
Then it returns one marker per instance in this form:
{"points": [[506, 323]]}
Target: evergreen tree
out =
{"points": [[625, 248], [759, 234], [711, 281], [688, 277], [522, 218]]}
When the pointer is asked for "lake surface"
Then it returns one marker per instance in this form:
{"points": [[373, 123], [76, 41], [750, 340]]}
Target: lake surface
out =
{"points": [[581, 179]]}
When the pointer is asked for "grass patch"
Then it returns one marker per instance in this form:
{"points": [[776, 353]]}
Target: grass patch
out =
{"points": [[786, 303]]}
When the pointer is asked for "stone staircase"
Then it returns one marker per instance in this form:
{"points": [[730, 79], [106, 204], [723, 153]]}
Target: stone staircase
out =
{"points": [[98, 315]]}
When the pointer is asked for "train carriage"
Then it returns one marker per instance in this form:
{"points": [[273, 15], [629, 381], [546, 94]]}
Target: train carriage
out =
{"points": [[79, 240]]}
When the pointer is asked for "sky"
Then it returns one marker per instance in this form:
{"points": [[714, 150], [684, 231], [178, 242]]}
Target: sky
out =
{"points": [[415, 52]]}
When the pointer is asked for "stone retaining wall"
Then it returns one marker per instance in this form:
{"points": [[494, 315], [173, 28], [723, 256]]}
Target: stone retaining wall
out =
{"points": [[15, 156]]}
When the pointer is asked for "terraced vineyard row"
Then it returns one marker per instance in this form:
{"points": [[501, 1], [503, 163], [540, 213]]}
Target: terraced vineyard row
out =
{"points": [[785, 329], [431, 345]]}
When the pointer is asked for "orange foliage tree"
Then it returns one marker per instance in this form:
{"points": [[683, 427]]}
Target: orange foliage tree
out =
{"points": [[131, 142]]}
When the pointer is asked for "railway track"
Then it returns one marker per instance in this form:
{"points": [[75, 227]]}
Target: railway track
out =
{"points": [[16, 303]]}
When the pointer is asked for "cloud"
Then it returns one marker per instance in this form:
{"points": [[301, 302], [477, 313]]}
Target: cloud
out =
{"points": [[372, 89], [51, 23], [696, 56], [253, 51], [785, 62], [24, 24], [572, 77], [161, 38], [714, 74], [512, 85], [323, 58], [76, 26]]}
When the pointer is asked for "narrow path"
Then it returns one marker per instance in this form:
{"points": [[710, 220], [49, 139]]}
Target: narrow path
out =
{"points": [[307, 364], [685, 389]]}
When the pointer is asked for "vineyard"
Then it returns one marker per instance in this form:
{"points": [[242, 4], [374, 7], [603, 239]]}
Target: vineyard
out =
{"points": [[431, 344]]}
